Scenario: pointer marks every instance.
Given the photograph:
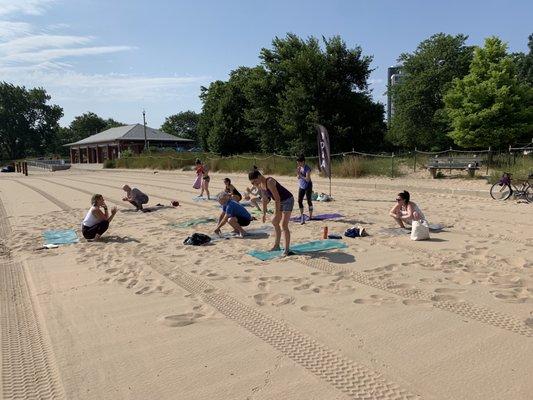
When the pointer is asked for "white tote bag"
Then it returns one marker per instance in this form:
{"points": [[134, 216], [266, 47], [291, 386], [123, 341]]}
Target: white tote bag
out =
{"points": [[420, 230]]}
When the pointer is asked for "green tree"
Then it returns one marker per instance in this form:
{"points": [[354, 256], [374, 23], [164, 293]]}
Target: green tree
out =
{"points": [[490, 106], [87, 124], [28, 124], [525, 63], [183, 124], [418, 119], [275, 106]]}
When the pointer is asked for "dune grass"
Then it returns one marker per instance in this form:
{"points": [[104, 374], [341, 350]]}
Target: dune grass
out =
{"points": [[346, 166]]}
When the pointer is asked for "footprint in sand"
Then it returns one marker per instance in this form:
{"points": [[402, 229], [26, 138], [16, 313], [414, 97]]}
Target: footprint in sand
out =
{"points": [[277, 300], [312, 309], [529, 322], [449, 290], [444, 297], [181, 320], [376, 300], [416, 302], [463, 281]]}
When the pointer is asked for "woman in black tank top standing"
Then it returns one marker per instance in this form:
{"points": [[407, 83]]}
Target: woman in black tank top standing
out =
{"points": [[284, 203]]}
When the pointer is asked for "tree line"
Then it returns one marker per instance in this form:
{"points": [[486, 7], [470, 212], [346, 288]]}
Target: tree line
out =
{"points": [[449, 94]]}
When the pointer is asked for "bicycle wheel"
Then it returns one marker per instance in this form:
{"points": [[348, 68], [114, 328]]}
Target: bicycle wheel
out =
{"points": [[528, 194], [500, 192]]}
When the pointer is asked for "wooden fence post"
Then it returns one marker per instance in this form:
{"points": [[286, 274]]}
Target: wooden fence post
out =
{"points": [[414, 165], [392, 165]]}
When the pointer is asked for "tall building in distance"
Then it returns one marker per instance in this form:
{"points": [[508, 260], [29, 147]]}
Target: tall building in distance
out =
{"points": [[394, 75]]}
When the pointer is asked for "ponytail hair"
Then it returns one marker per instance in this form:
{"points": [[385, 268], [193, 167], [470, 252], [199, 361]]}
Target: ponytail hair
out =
{"points": [[405, 196]]}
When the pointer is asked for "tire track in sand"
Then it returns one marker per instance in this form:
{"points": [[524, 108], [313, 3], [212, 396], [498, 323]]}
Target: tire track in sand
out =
{"points": [[355, 380], [465, 309], [28, 365]]}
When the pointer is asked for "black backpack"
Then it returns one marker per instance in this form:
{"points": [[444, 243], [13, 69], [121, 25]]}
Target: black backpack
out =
{"points": [[197, 239]]}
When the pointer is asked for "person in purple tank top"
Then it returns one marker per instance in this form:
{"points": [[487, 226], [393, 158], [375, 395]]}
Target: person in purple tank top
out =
{"points": [[284, 202], [305, 187]]}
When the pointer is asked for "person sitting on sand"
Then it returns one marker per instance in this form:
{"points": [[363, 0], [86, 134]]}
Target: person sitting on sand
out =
{"points": [[135, 197], [405, 211], [284, 204], [232, 213], [305, 187], [96, 222], [235, 195], [201, 170]]}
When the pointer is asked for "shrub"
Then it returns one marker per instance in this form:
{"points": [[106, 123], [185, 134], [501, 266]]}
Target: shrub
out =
{"points": [[110, 164]]}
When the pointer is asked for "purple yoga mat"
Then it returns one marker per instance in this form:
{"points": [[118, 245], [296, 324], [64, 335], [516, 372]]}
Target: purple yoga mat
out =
{"points": [[319, 217]]}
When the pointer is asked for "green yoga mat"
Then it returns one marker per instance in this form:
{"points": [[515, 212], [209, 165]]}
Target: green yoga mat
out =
{"points": [[300, 248], [259, 212], [64, 236], [193, 222]]}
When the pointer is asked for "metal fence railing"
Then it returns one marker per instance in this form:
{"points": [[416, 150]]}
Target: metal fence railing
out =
{"points": [[51, 165]]}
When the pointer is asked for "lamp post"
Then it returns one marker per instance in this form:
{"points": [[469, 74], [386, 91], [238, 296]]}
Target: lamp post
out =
{"points": [[144, 124]]}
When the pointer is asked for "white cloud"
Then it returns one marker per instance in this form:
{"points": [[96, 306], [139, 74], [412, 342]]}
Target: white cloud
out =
{"points": [[29, 7], [42, 41], [9, 29], [41, 57], [56, 54]]}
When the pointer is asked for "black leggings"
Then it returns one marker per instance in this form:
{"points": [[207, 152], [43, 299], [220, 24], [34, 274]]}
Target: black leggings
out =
{"points": [[307, 192], [98, 229]]}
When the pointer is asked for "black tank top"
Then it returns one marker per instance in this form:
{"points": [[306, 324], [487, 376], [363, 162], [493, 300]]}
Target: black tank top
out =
{"points": [[284, 194]]}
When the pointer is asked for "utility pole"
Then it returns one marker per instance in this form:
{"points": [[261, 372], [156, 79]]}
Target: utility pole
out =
{"points": [[144, 123]]}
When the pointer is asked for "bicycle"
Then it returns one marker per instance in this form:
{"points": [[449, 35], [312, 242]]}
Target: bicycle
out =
{"points": [[504, 189]]}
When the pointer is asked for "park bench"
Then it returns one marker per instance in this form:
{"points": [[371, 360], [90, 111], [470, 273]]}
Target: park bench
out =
{"points": [[469, 164]]}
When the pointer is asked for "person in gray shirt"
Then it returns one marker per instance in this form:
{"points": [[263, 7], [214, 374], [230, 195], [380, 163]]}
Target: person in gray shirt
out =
{"points": [[135, 197]]}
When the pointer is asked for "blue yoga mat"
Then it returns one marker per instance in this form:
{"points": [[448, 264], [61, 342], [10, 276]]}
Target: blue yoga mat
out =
{"points": [[64, 236], [300, 248]]}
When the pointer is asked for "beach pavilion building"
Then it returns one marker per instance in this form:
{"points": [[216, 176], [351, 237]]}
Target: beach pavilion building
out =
{"points": [[108, 144]]}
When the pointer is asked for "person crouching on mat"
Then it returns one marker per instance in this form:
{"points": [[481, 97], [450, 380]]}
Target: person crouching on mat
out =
{"points": [[305, 187], [232, 213], [96, 222], [135, 197], [271, 189], [234, 193]]}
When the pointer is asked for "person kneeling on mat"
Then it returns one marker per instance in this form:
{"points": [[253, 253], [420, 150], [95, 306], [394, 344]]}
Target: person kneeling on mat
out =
{"points": [[96, 222], [232, 213], [135, 197]]}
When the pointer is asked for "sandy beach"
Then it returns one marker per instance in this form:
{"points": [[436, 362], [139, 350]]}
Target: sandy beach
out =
{"points": [[139, 315]]}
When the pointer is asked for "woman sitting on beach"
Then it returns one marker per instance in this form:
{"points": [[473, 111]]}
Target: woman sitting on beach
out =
{"points": [[202, 172], [405, 210], [235, 195], [96, 222], [284, 204]]}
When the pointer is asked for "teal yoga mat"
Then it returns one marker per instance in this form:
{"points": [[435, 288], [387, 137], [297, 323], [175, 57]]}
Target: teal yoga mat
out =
{"points": [[64, 236], [193, 222], [300, 248]]}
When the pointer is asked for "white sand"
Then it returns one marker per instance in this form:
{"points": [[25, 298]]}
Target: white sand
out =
{"points": [[141, 316]]}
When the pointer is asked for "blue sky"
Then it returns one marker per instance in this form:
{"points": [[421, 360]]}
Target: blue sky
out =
{"points": [[116, 57]]}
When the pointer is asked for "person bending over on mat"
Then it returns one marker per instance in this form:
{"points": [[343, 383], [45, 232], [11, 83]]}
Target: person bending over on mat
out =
{"points": [[96, 222], [284, 204], [303, 172], [135, 197], [232, 213], [405, 210], [235, 195]]}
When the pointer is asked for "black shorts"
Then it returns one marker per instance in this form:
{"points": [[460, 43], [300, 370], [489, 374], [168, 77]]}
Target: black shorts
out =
{"points": [[243, 221], [206, 178]]}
